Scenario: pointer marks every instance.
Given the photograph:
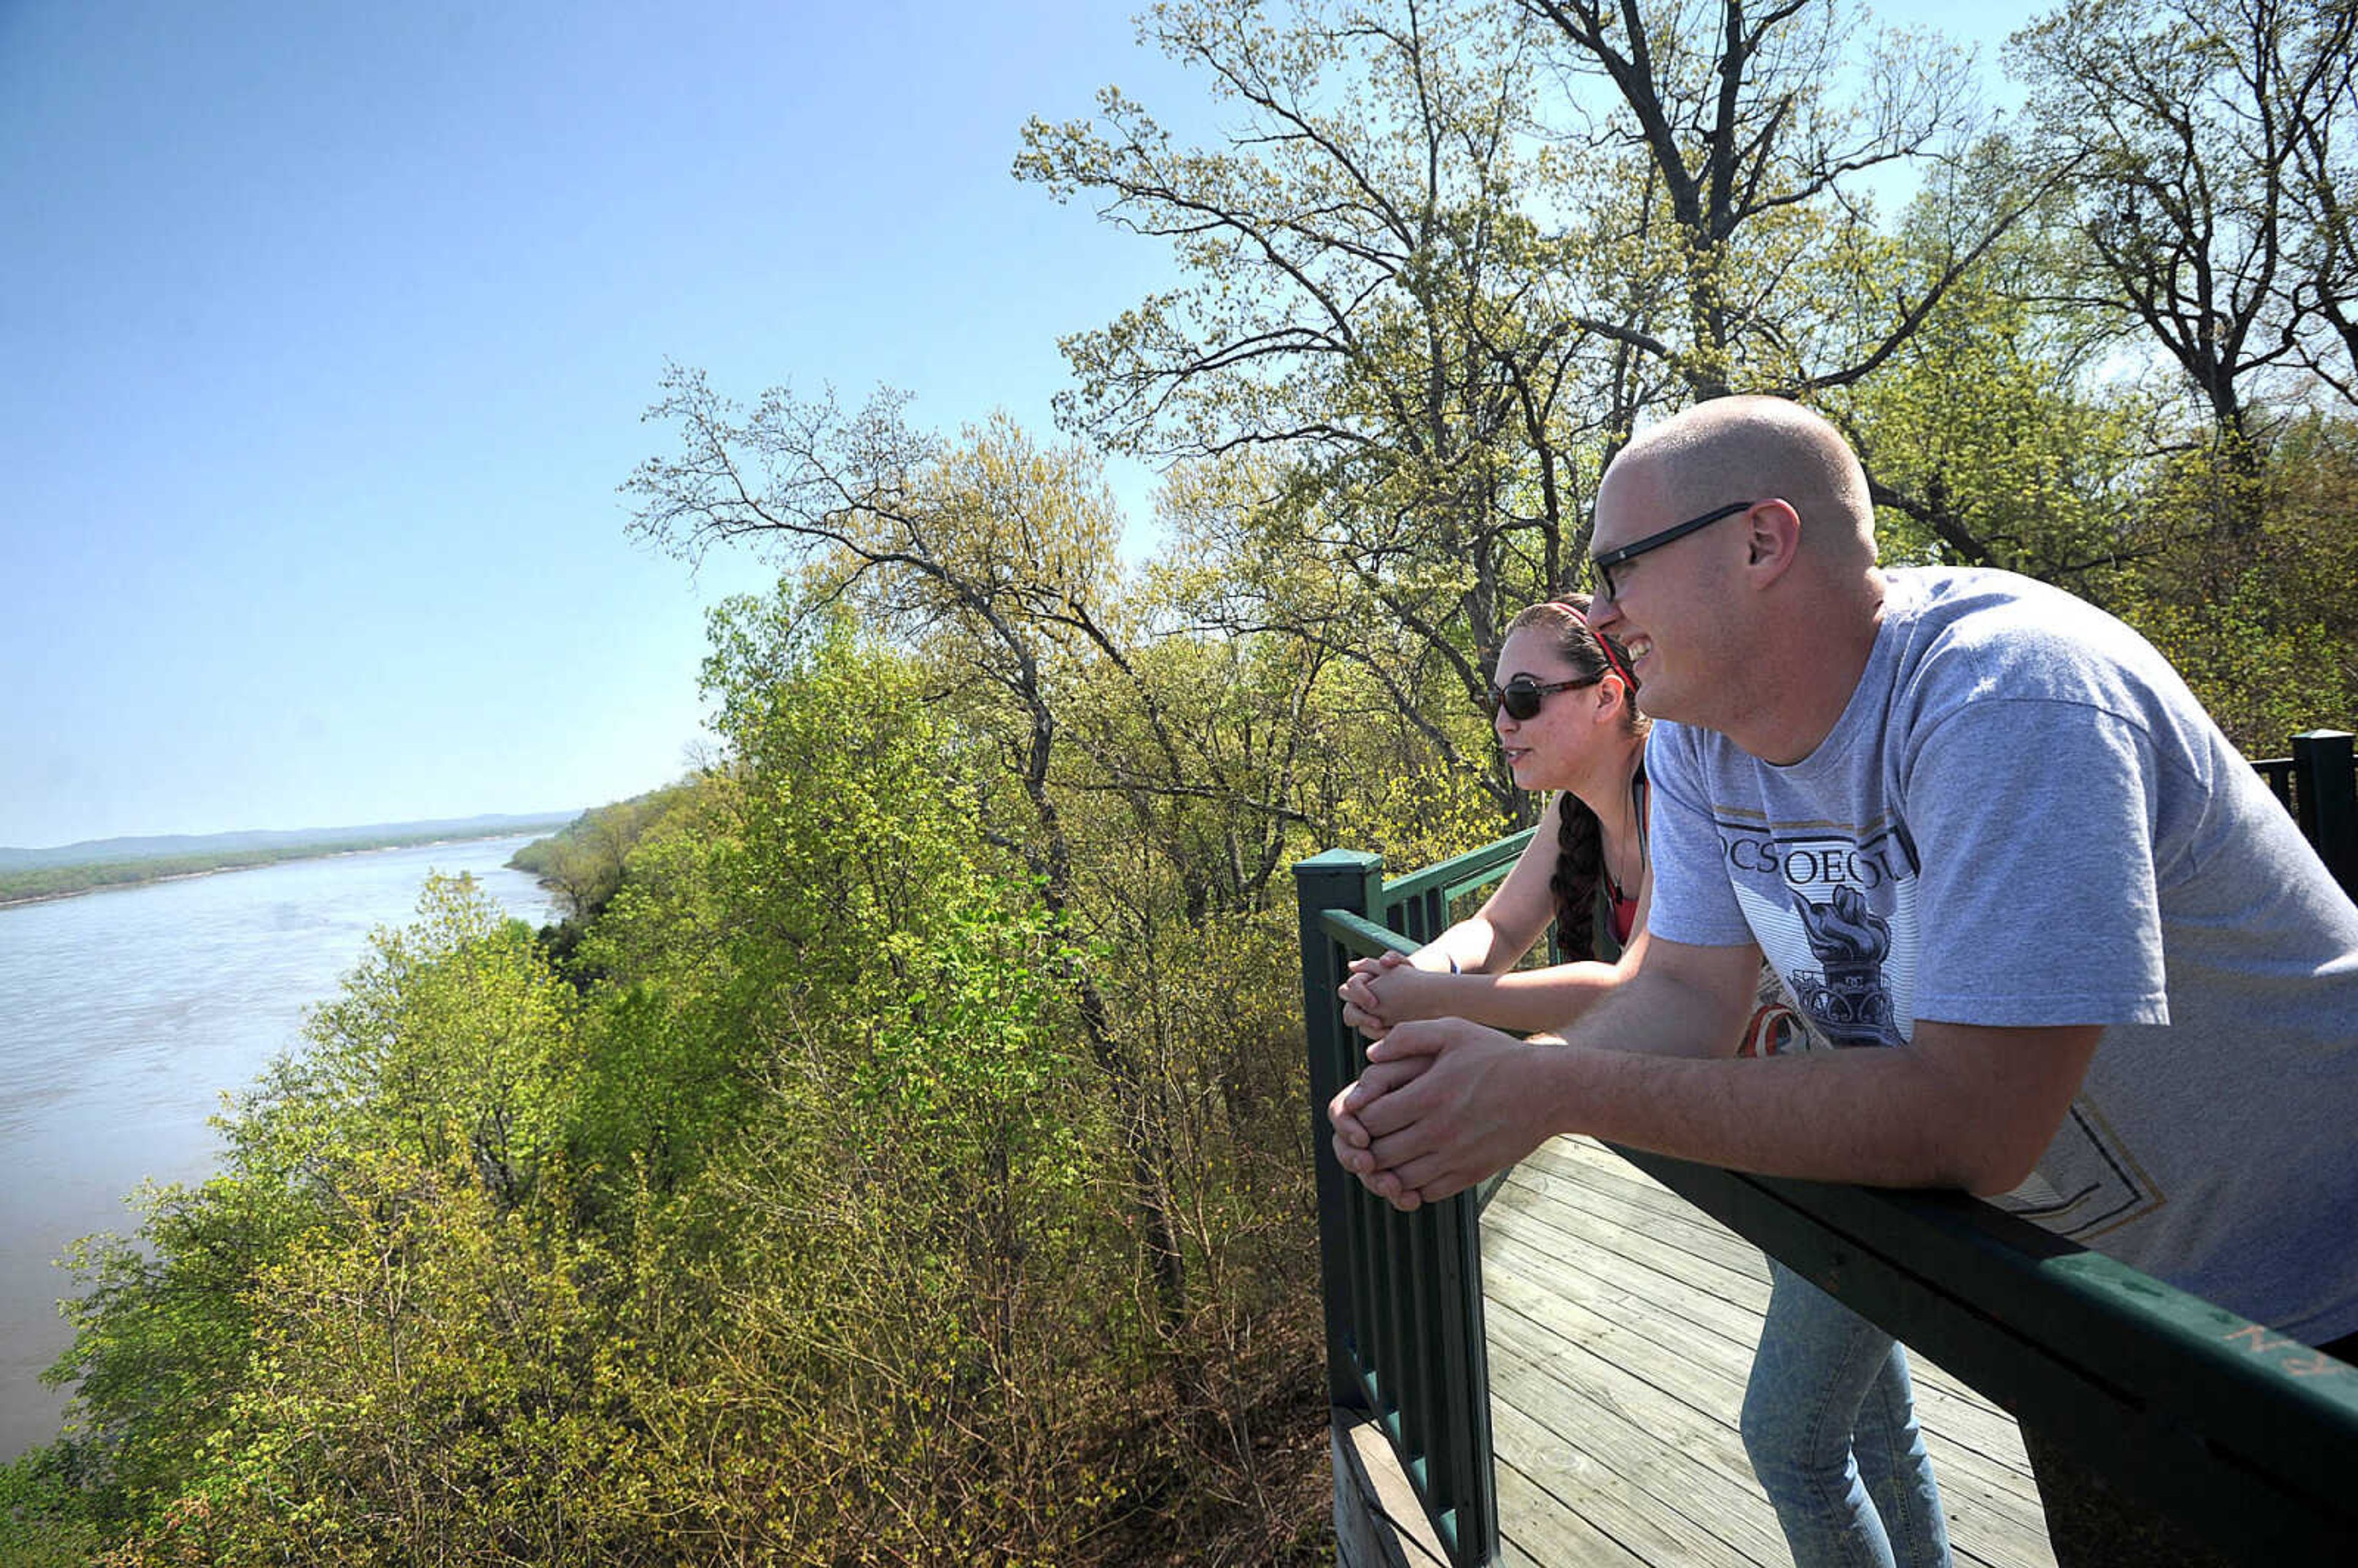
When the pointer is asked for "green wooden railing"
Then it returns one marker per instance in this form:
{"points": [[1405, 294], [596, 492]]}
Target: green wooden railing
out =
{"points": [[2248, 1437], [2318, 784], [1403, 1291]]}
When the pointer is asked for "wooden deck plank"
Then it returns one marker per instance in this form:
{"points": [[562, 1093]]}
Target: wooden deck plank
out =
{"points": [[1963, 1415], [1699, 1370], [1621, 1328], [1629, 1198], [1723, 1335], [1569, 1246], [1705, 1373], [1577, 1505], [1682, 1476]]}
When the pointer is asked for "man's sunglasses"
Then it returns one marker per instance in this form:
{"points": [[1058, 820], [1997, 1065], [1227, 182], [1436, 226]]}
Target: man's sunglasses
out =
{"points": [[1611, 558], [1522, 696]]}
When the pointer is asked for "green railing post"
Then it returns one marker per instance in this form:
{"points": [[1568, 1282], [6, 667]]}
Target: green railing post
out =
{"points": [[2328, 801], [1351, 881]]}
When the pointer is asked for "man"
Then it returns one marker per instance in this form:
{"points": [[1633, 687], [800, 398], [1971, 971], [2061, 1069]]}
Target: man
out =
{"points": [[1962, 813]]}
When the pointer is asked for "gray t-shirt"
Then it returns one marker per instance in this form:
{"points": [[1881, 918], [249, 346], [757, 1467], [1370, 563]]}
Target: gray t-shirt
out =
{"points": [[2024, 817]]}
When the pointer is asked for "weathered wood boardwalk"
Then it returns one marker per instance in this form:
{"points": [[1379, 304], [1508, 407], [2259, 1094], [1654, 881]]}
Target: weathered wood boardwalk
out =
{"points": [[1621, 1324]]}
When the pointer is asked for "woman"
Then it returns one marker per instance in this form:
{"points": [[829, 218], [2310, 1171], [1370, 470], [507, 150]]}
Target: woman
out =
{"points": [[1829, 1416], [1563, 715]]}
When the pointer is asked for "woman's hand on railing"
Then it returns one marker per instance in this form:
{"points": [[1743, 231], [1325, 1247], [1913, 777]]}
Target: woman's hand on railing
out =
{"points": [[1385, 990], [1358, 993]]}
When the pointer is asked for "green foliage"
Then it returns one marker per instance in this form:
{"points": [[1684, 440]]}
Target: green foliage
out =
{"points": [[454, 1041], [2265, 628], [163, 1329], [582, 862], [1985, 444], [432, 1381], [917, 1276], [1415, 820], [44, 1519], [451, 1046]]}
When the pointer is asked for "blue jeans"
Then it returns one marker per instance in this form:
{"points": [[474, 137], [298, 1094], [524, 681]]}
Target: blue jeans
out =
{"points": [[1830, 1424]]}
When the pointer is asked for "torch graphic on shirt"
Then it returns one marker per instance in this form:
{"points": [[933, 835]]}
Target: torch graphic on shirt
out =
{"points": [[1846, 998]]}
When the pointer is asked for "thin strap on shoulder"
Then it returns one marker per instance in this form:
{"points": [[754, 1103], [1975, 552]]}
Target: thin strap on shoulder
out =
{"points": [[1639, 792], [1641, 796]]}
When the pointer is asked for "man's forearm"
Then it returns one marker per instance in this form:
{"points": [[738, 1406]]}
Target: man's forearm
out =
{"points": [[1961, 1106], [1881, 1117]]}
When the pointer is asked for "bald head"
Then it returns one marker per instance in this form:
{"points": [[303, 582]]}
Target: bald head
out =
{"points": [[1757, 620], [1759, 448]]}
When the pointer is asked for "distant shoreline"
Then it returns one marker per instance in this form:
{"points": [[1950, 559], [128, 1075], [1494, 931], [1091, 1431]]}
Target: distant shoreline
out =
{"points": [[49, 884]]}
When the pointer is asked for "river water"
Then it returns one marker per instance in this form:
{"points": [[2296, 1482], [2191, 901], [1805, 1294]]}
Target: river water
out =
{"points": [[125, 1014]]}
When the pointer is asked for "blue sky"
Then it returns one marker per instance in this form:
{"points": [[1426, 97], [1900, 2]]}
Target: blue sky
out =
{"points": [[326, 328]]}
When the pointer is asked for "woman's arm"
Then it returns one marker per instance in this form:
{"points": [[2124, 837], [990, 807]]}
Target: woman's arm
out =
{"points": [[1524, 999], [1482, 949]]}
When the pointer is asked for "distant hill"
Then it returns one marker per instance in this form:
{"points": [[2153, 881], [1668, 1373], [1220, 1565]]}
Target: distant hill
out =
{"points": [[97, 852], [126, 862]]}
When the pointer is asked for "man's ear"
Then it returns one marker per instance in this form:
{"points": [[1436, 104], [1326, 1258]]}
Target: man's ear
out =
{"points": [[1772, 539]]}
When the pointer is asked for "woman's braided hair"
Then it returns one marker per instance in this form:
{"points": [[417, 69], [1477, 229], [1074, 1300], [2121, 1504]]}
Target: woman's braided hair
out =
{"points": [[1580, 846]]}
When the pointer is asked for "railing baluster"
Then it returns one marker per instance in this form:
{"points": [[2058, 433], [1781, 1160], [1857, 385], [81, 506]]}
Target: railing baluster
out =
{"points": [[1394, 1245], [1473, 1487], [1367, 1278], [2328, 801], [1346, 880], [1416, 1331]]}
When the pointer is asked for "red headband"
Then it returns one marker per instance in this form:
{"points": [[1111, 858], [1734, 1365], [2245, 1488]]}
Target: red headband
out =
{"points": [[1604, 645]]}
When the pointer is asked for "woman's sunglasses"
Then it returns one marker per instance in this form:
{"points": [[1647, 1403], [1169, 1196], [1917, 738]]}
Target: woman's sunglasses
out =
{"points": [[1522, 696]]}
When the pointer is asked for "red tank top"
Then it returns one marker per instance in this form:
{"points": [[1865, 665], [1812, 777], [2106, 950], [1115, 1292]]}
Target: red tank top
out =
{"points": [[1625, 915]]}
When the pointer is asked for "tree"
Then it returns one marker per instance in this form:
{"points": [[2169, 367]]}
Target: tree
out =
{"points": [[993, 554], [582, 862], [1734, 116], [432, 1380], [1371, 285], [449, 1048], [2325, 167], [454, 1039], [1144, 782], [1427, 300], [2204, 138], [1987, 436], [2264, 637], [1377, 369]]}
